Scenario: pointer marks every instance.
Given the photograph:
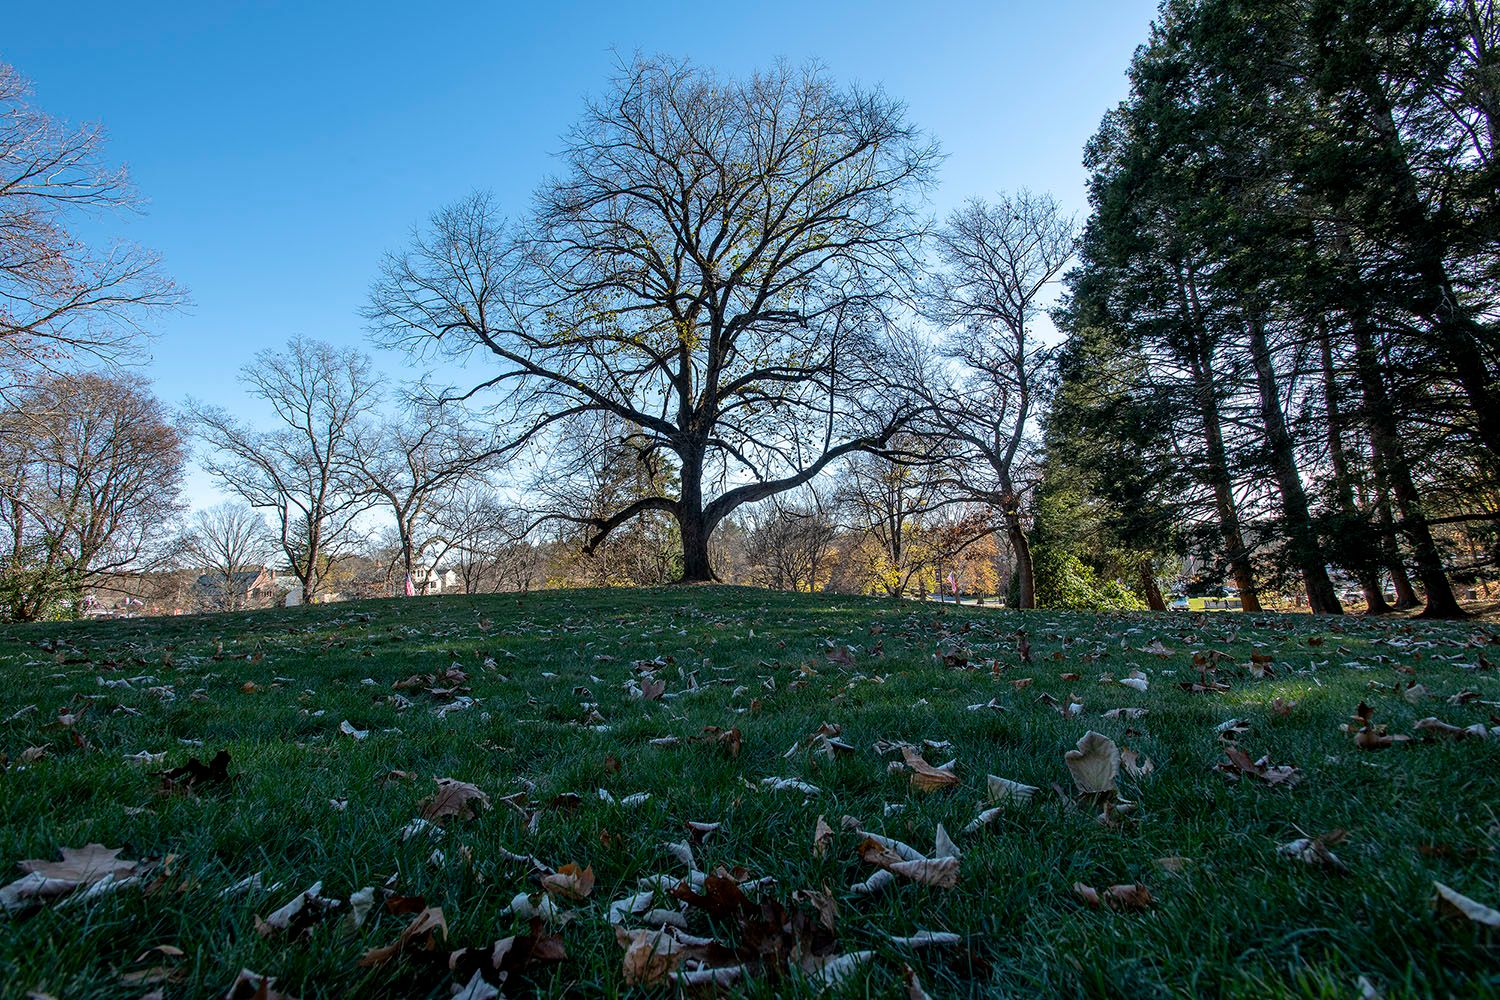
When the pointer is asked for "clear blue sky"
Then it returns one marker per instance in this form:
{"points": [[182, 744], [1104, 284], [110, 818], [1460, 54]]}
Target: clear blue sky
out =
{"points": [[282, 147]]}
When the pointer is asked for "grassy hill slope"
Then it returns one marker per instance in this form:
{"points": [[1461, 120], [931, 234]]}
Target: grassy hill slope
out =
{"points": [[554, 720]]}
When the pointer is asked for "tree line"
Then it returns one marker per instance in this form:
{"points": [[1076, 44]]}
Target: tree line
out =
{"points": [[730, 342], [1282, 340]]}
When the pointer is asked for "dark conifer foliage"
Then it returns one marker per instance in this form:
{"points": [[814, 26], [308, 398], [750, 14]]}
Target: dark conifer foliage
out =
{"points": [[1287, 293]]}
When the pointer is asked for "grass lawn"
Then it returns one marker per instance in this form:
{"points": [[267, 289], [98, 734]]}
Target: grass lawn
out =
{"points": [[553, 714]]}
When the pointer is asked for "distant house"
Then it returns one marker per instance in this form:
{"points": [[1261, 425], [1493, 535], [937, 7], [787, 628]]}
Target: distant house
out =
{"points": [[258, 587], [431, 580]]}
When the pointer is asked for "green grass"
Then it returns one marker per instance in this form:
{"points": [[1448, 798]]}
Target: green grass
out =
{"points": [[1237, 921]]}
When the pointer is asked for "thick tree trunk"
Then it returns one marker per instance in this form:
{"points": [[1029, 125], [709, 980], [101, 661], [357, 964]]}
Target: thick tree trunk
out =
{"points": [[1393, 468], [695, 561], [1154, 600], [308, 574], [1217, 470], [1306, 552], [1025, 572], [691, 523]]}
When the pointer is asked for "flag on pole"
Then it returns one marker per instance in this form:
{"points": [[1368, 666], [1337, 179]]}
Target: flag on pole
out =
{"points": [[953, 583], [411, 590]]}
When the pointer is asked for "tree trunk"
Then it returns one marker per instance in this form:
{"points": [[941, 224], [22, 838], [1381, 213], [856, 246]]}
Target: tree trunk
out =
{"points": [[1306, 552], [1366, 563], [1201, 365], [408, 557], [1154, 600], [695, 563], [1021, 548], [307, 575], [691, 523], [1392, 466], [1390, 553]]}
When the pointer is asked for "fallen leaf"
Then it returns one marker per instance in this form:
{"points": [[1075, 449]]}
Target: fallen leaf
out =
{"points": [[426, 932], [86, 867], [925, 777], [941, 873], [1135, 765], [570, 882], [298, 916], [649, 955], [1095, 764], [195, 773], [1272, 774], [1126, 898], [253, 986], [454, 798], [1454, 904], [1315, 851], [822, 837]]}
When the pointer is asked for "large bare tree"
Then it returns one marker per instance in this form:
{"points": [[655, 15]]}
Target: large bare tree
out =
{"points": [[300, 470], [62, 298], [996, 260], [90, 474], [711, 269]]}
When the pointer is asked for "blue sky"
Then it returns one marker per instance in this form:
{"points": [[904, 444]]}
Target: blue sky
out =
{"points": [[282, 147]]}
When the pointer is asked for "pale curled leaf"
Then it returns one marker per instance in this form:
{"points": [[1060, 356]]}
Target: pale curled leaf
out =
{"points": [[1004, 790], [1095, 764], [1454, 904]]}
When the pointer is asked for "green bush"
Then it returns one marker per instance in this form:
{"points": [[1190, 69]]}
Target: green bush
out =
{"points": [[1066, 582]]}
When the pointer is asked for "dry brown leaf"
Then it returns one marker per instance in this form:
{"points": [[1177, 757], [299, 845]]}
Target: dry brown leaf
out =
{"points": [[159, 971], [728, 740], [1126, 898], [1434, 728], [298, 916], [1368, 735], [195, 774], [925, 777], [1315, 851], [253, 986], [1004, 790], [875, 853], [1272, 774], [939, 872], [570, 882], [822, 837], [506, 961], [649, 955], [80, 868], [1135, 765], [454, 798], [426, 932]]}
